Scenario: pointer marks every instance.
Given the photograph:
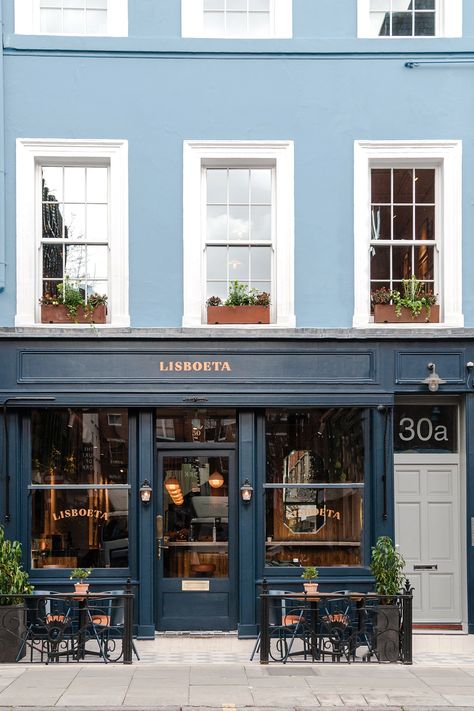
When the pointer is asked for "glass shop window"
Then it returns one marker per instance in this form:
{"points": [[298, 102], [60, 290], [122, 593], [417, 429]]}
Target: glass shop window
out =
{"points": [[425, 429], [314, 490], [79, 488], [199, 425]]}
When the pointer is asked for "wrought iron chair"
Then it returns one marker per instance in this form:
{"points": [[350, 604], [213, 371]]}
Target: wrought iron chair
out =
{"points": [[287, 623], [49, 630], [107, 618]]}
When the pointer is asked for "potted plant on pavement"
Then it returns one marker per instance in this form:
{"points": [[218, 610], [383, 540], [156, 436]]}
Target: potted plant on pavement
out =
{"points": [[387, 566], [69, 305], [414, 304], [13, 583], [243, 305], [309, 575], [79, 575]]}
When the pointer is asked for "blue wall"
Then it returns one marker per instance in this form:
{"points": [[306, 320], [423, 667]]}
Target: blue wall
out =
{"points": [[323, 90]]}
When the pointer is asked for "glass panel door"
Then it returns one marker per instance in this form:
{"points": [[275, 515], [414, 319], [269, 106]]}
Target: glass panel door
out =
{"points": [[195, 529]]}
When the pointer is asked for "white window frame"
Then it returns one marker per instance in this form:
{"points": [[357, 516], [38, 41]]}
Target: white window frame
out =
{"points": [[200, 154], [27, 19], [281, 22], [31, 153], [448, 21], [446, 157]]}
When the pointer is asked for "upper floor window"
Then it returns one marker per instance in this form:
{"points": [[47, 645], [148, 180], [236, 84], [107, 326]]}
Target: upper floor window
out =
{"points": [[237, 18], [408, 224], [238, 224], [409, 18], [72, 17], [72, 240]]}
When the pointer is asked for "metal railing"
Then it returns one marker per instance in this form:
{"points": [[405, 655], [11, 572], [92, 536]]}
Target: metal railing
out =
{"points": [[51, 627], [336, 627]]}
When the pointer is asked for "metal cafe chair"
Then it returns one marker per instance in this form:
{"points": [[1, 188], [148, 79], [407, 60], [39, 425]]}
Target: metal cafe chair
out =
{"points": [[286, 622], [49, 628], [107, 618]]}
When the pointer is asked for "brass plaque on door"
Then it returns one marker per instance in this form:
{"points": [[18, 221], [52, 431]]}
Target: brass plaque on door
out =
{"points": [[201, 585]]}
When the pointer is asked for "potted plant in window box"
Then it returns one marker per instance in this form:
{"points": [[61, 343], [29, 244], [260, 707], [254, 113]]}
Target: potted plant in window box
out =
{"points": [[387, 566], [70, 306], [416, 304], [80, 574], [309, 575], [13, 583], [243, 305]]}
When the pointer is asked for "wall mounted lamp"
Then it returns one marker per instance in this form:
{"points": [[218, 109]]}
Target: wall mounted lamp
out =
{"points": [[145, 492], [246, 491], [433, 381]]}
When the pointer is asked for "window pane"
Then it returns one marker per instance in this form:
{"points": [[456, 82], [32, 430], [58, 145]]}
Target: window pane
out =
{"points": [[53, 261], [53, 222], [74, 184], [97, 190], [402, 262], [52, 184], [425, 428], [214, 4], [216, 222], [424, 24], [424, 4], [217, 288], [261, 187], [50, 21], [72, 446], [79, 528], [73, 22], [217, 186], [97, 258], [239, 265], [400, 5], [402, 222], [424, 264], [236, 23], [239, 187], [259, 5], [236, 4], [97, 223], [310, 446], [381, 222], [96, 4], [238, 222], [260, 263], [201, 425], [425, 222], [402, 24], [424, 186], [214, 23], [51, 3], [380, 5], [261, 225], [74, 218], [380, 263], [75, 263], [380, 24], [381, 185], [259, 24], [217, 263], [314, 526], [403, 186]]}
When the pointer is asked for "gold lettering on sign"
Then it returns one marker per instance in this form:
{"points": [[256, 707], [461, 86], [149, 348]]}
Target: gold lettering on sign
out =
{"points": [[81, 513], [217, 366]]}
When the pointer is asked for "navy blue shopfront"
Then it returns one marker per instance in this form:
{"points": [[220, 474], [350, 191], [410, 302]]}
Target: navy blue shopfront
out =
{"points": [[308, 423]]}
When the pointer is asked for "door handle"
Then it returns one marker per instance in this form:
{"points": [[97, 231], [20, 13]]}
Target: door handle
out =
{"points": [[425, 567], [159, 536]]}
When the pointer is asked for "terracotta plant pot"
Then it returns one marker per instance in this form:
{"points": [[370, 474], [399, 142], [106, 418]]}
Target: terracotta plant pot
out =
{"points": [[81, 588], [59, 314], [310, 588], [385, 313], [238, 314]]}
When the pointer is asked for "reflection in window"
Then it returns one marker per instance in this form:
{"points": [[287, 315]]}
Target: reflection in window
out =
{"points": [[403, 18], [200, 425], [81, 526], [315, 484]]}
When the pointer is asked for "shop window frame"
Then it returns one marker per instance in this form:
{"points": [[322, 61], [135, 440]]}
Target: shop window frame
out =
{"points": [[24, 423], [448, 22], [446, 158]]}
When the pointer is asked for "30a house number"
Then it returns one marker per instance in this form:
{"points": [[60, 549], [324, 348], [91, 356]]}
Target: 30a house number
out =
{"points": [[422, 429]]}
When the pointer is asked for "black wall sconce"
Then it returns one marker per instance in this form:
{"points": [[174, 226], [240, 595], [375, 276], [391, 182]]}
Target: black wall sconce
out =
{"points": [[246, 491], [145, 492], [433, 381]]}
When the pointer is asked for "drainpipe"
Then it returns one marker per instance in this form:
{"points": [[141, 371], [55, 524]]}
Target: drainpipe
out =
{"points": [[2, 158]]}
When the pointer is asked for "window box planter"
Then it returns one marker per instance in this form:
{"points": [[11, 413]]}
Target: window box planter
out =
{"points": [[385, 313], [52, 313], [238, 314]]}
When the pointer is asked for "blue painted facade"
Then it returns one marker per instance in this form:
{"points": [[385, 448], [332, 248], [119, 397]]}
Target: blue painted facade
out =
{"points": [[323, 89]]}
